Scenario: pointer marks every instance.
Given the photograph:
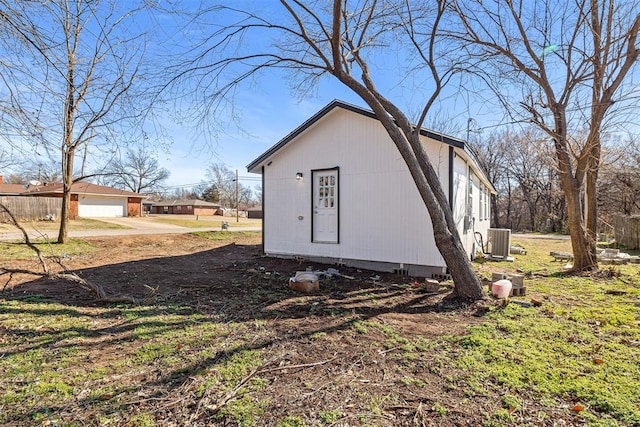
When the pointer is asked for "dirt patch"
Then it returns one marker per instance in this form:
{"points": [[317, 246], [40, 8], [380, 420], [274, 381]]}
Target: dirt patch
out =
{"points": [[356, 347]]}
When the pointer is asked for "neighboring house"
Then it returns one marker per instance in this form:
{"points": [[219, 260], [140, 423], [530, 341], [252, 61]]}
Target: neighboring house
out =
{"points": [[26, 208], [185, 207], [10, 189], [337, 190], [91, 200], [147, 206], [254, 212]]}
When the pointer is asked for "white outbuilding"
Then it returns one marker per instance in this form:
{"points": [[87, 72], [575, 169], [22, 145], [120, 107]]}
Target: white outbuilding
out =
{"points": [[336, 190]]}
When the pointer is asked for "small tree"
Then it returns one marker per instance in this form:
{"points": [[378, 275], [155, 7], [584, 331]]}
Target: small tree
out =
{"points": [[220, 185]]}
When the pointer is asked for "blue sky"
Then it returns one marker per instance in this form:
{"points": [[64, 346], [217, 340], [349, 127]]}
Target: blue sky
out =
{"points": [[266, 116], [269, 112], [267, 109]]}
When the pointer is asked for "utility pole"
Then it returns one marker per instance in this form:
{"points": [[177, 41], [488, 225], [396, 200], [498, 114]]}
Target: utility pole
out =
{"points": [[237, 200]]}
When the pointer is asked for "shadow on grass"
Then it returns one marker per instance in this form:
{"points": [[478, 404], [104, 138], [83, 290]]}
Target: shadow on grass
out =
{"points": [[230, 284]]}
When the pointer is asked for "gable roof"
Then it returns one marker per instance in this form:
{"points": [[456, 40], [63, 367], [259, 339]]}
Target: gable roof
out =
{"points": [[80, 188], [460, 145], [449, 140]]}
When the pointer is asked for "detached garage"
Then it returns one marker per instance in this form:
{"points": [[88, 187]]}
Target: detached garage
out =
{"points": [[94, 201], [101, 207]]}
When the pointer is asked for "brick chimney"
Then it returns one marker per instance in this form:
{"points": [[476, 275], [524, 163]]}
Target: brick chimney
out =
{"points": [[0, 179]]}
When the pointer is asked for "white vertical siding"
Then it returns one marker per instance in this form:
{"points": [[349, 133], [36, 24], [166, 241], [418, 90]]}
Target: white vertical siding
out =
{"points": [[466, 180], [460, 182], [483, 215], [382, 217]]}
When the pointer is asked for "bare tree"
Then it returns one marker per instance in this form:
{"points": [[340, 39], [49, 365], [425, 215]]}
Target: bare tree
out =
{"points": [[14, 178], [6, 159], [137, 171], [245, 196], [69, 67], [220, 185], [569, 62], [257, 195], [492, 154], [340, 40], [43, 170], [530, 166], [519, 163], [619, 183]]}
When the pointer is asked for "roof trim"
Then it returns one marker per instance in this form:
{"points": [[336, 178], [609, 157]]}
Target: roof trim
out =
{"points": [[186, 202], [449, 140], [80, 188]]}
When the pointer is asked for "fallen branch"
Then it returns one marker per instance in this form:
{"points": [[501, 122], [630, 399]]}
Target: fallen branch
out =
{"points": [[74, 278], [334, 380], [231, 394], [65, 274]]}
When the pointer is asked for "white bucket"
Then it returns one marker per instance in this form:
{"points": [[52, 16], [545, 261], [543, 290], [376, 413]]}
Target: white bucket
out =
{"points": [[501, 288]]}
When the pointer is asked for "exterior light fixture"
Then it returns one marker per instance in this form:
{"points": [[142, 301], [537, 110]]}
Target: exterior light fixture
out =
{"points": [[299, 176]]}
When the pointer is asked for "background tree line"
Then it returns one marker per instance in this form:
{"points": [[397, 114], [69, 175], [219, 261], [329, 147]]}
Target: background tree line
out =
{"points": [[521, 167]]}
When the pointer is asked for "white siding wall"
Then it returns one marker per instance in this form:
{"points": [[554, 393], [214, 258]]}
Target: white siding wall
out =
{"points": [[465, 181], [382, 217], [460, 200], [482, 215]]}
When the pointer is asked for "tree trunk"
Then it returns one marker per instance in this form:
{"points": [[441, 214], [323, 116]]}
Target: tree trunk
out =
{"points": [[467, 286], [591, 202], [68, 153], [67, 180], [494, 211], [583, 256], [406, 138]]}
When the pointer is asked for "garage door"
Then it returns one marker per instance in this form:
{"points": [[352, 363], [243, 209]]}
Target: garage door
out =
{"points": [[101, 207]]}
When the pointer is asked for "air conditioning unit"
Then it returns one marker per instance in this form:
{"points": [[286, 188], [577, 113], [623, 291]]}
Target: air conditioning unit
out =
{"points": [[499, 242]]}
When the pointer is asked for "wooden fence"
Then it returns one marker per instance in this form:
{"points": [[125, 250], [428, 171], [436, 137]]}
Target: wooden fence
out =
{"points": [[30, 208], [627, 231]]}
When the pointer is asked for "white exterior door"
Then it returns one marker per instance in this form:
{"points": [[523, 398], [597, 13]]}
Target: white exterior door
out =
{"points": [[325, 206]]}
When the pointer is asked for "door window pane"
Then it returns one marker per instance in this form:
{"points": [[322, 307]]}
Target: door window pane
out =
{"points": [[326, 191]]}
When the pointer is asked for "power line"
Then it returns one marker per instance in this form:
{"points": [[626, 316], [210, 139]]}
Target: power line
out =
{"points": [[224, 181]]}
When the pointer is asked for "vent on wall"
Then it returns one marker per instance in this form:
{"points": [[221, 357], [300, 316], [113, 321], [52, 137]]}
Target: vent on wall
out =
{"points": [[499, 242]]}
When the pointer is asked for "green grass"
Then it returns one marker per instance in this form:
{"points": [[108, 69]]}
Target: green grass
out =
{"points": [[46, 353], [581, 346], [74, 224], [205, 222], [224, 235], [14, 250]]}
